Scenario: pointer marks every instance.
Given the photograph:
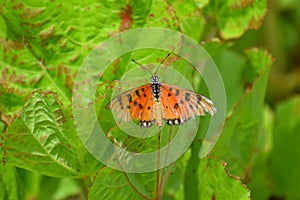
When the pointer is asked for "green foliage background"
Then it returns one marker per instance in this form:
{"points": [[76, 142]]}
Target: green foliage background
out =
{"points": [[255, 46]]}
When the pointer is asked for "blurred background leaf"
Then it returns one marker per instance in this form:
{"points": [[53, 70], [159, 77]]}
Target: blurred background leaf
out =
{"points": [[283, 165]]}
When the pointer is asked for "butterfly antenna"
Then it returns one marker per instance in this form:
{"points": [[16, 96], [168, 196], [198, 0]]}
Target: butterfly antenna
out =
{"points": [[142, 66], [161, 63]]}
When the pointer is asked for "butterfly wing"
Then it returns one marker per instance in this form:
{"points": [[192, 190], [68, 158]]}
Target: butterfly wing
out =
{"points": [[136, 104], [176, 105], [142, 107], [180, 104]]}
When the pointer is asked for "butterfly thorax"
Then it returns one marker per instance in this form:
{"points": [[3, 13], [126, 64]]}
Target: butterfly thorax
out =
{"points": [[155, 86]]}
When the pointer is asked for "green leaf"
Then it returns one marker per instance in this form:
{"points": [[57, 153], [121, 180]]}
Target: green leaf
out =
{"points": [[128, 186], [35, 185], [67, 188], [2, 127], [175, 188], [49, 186], [213, 181], [235, 17], [162, 15], [44, 139], [192, 22], [216, 183], [238, 142], [9, 184], [215, 46], [284, 158], [260, 171], [44, 43], [3, 27], [231, 66], [201, 3]]}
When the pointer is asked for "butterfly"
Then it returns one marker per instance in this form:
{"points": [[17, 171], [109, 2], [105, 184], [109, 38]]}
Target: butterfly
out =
{"points": [[158, 102]]}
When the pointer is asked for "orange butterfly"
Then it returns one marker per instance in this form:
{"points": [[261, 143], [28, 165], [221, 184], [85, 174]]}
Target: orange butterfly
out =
{"points": [[156, 102]]}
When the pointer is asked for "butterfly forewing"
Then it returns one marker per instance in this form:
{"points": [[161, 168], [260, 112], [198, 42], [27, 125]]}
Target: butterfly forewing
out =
{"points": [[170, 106], [181, 104], [143, 110], [136, 104]]}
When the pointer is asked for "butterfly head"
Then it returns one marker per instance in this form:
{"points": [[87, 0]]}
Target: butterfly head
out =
{"points": [[154, 79]]}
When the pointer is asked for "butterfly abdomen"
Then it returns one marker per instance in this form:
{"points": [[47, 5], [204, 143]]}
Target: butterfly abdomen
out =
{"points": [[157, 114]]}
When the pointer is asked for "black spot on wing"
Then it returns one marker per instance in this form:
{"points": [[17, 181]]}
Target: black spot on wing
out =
{"points": [[176, 105], [199, 97], [129, 98], [140, 106], [177, 92], [187, 96], [120, 101], [138, 93]]}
